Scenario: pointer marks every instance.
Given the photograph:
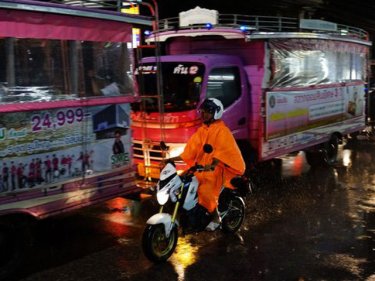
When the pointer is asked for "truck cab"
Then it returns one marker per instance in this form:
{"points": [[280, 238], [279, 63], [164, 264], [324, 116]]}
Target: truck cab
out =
{"points": [[186, 82]]}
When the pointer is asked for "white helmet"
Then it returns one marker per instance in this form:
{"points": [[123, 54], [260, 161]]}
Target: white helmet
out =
{"points": [[213, 106]]}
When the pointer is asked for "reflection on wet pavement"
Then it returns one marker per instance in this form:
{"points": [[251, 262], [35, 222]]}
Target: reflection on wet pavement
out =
{"points": [[312, 224], [185, 255]]}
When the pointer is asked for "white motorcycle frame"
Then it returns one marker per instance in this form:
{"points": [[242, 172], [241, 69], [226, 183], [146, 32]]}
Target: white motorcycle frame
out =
{"points": [[165, 219], [170, 188], [191, 199]]}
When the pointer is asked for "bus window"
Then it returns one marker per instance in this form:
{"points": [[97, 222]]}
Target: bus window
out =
{"points": [[107, 69], [45, 70]]}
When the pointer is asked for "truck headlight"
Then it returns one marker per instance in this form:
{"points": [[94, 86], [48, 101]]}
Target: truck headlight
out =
{"points": [[176, 150]]}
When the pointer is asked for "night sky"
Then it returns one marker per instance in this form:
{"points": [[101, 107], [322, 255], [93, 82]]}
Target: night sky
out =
{"points": [[350, 12]]}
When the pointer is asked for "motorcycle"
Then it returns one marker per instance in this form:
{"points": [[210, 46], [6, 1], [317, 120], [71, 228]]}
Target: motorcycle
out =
{"points": [[161, 234]]}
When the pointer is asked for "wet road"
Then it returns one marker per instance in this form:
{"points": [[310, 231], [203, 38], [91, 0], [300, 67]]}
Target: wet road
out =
{"points": [[310, 225]]}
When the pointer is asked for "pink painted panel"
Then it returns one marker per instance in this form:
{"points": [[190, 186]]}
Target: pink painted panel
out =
{"points": [[27, 24], [42, 203], [255, 76]]}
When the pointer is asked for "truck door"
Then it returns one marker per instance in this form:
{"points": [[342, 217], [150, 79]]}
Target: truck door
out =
{"points": [[228, 84]]}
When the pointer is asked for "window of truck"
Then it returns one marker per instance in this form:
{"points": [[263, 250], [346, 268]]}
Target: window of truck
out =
{"points": [[181, 82], [224, 84], [307, 63]]}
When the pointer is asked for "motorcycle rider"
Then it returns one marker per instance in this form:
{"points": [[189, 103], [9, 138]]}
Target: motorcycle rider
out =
{"points": [[221, 165]]}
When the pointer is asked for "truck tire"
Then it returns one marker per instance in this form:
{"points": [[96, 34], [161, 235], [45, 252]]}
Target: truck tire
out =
{"points": [[326, 155], [249, 155], [15, 243], [331, 149]]}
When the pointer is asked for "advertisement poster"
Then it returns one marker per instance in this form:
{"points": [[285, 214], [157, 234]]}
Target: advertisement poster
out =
{"points": [[296, 111], [41, 148]]}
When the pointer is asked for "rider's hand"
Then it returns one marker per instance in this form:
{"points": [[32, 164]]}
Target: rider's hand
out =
{"points": [[211, 166], [208, 168]]}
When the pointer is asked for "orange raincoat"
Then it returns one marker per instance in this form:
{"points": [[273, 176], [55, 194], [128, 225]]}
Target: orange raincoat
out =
{"points": [[225, 149]]}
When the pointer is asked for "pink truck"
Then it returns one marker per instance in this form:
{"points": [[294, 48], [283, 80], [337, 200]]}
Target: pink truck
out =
{"points": [[286, 84]]}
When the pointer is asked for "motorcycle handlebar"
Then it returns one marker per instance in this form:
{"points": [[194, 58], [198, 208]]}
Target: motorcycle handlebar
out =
{"points": [[199, 168], [191, 170], [195, 168]]}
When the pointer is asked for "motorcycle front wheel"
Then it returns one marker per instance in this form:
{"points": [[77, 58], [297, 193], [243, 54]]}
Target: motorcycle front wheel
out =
{"points": [[157, 247], [233, 214]]}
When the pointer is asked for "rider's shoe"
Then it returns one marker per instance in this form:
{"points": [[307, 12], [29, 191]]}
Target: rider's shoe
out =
{"points": [[216, 221], [212, 226]]}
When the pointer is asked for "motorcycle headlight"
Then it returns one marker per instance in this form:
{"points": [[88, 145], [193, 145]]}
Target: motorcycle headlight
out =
{"points": [[162, 196]]}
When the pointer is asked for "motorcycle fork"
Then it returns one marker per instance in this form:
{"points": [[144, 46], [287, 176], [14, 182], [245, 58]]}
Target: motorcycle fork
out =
{"points": [[177, 204]]}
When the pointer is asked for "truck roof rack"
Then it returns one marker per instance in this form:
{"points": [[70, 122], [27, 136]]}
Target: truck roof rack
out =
{"points": [[251, 24]]}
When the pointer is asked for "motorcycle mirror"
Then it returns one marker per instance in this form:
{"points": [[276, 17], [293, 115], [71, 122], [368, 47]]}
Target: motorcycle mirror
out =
{"points": [[163, 146], [207, 148]]}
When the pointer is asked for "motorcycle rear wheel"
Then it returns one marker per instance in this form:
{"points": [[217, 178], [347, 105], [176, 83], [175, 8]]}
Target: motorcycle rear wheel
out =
{"points": [[234, 214], [157, 247]]}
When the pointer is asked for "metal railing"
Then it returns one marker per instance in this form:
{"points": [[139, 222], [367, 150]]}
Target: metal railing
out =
{"points": [[114, 5], [264, 24]]}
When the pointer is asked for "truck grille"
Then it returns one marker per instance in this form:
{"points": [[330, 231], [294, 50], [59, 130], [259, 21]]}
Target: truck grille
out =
{"points": [[154, 150]]}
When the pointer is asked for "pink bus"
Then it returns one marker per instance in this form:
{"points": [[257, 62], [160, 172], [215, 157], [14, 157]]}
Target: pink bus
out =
{"points": [[286, 85], [66, 84]]}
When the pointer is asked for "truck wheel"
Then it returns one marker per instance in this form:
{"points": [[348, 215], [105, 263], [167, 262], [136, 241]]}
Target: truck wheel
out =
{"points": [[249, 154], [327, 155], [15, 242], [331, 149]]}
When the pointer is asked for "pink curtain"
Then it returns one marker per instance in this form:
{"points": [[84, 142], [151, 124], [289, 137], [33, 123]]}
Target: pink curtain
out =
{"points": [[26, 24]]}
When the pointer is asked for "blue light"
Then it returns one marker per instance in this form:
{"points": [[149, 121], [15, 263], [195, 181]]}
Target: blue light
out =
{"points": [[246, 28], [243, 28], [147, 32], [209, 25]]}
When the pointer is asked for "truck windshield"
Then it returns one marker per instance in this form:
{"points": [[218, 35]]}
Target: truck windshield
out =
{"points": [[181, 84]]}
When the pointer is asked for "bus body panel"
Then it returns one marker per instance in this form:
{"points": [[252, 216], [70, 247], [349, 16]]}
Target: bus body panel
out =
{"points": [[50, 201], [65, 89], [66, 85]]}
